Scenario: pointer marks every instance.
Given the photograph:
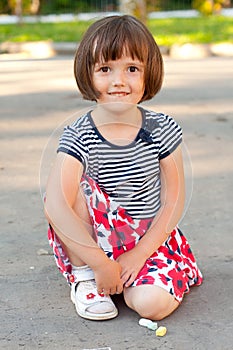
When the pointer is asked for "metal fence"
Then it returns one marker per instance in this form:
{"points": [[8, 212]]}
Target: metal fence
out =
{"points": [[78, 6], [68, 6]]}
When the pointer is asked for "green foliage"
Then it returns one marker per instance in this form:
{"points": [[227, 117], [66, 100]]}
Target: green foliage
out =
{"points": [[26, 6], [168, 5], [209, 7], [58, 32], [166, 31], [202, 30], [60, 6], [76, 6], [4, 8]]}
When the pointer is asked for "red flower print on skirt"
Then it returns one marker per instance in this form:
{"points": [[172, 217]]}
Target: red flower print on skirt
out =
{"points": [[172, 266]]}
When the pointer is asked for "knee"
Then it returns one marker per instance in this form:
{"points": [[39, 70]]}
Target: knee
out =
{"points": [[151, 309], [153, 303]]}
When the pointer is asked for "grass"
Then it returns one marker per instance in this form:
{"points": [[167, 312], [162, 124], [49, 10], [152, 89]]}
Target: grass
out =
{"points": [[211, 29], [202, 30], [58, 32]]}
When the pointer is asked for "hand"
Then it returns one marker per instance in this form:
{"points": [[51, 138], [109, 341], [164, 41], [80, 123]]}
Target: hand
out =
{"points": [[108, 278], [131, 263]]}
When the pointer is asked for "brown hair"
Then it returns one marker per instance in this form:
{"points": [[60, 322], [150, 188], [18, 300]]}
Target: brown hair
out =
{"points": [[107, 39]]}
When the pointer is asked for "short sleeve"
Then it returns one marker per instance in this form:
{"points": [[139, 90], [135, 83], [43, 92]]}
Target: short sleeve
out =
{"points": [[170, 136], [71, 143]]}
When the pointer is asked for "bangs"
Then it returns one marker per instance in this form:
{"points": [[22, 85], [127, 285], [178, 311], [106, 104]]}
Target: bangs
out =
{"points": [[110, 38], [114, 42]]}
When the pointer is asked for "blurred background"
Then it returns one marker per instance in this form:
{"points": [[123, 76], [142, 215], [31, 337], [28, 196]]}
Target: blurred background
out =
{"points": [[172, 22], [36, 7], [38, 94]]}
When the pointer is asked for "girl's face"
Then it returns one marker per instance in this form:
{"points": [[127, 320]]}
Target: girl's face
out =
{"points": [[121, 80]]}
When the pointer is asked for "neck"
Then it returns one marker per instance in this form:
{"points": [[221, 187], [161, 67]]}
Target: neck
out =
{"points": [[117, 123], [117, 113]]}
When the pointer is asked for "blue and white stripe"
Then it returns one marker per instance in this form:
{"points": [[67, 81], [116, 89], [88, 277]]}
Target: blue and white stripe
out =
{"points": [[129, 174]]}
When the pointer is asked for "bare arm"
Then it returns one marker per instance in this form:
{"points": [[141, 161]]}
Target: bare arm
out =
{"points": [[61, 194], [172, 204]]}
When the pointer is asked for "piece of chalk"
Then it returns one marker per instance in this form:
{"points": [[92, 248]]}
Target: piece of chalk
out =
{"points": [[144, 322], [148, 323], [153, 326], [161, 331]]}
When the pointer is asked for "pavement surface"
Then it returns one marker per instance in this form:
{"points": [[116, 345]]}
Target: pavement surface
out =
{"points": [[36, 97]]}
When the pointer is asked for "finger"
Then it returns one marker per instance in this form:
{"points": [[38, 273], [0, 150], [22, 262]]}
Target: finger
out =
{"points": [[125, 278], [107, 292], [130, 281], [119, 290], [101, 290]]}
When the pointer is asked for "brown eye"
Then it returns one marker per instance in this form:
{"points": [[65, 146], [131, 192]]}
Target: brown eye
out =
{"points": [[104, 69], [133, 69]]}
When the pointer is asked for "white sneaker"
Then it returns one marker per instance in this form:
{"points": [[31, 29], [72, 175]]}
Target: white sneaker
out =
{"points": [[90, 304]]}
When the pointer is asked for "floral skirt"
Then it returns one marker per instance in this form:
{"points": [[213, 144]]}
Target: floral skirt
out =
{"points": [[172, 267]]}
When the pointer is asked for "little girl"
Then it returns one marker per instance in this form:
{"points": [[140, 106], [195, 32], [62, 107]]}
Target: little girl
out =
{"points": [[116, 191]]}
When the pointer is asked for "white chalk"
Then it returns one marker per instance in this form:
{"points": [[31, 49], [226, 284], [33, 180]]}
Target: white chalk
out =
{"points": [[148, 323]]}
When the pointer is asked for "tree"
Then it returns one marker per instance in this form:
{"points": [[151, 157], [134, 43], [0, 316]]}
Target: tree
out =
{"points": [[210, 7], [136, 8], [35, 6], [20, 7], [19, 10]]}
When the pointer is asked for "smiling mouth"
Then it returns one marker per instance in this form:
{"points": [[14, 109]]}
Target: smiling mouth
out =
{"points": [[118, 94]]}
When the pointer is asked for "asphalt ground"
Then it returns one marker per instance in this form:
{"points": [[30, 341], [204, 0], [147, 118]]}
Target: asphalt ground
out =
{"points": [[36, 97]]}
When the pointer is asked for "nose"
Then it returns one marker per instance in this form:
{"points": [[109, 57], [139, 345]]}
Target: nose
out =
{"points": [[118, 78]]}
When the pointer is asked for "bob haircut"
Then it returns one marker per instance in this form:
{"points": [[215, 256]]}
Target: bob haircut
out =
{"points": [[107, 40]]}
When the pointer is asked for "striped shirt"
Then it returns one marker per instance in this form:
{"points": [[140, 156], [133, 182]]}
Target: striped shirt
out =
{"points": [[129, 174]]}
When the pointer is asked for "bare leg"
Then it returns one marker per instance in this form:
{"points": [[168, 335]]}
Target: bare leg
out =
{"points": [[81, 210], [150, 301]]}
